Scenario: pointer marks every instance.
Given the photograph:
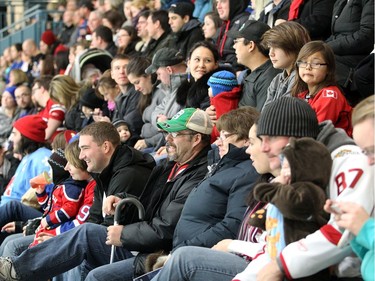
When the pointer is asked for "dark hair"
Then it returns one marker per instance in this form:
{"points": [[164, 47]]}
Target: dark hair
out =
{"points": [[137, 67], [28, 146], [162, 17], [43, 81], [144, 14], [205, 139], [215, 18], [105, 33], [61, 60], [18, 47], [131, 31], [208, 45], [115, 18], [48, 66], [101, 132], [329, 58]]}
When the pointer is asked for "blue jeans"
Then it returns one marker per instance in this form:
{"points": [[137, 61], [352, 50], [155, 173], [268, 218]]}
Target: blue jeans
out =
{"points": [[117, 271], [15, 211], [201, 264], [64, 252], [15, 244]]}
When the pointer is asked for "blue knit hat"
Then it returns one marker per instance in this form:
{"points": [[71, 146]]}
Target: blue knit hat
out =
{"points": [[222, 81], [11, 91]]}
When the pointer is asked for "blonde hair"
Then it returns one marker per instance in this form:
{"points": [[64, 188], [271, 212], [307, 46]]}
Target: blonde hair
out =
{"points": [[364, 110], [63, 89], [142, 4], [20, 77]]}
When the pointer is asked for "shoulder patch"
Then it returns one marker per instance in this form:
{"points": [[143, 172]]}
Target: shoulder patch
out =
{"points": [[330, 94]]}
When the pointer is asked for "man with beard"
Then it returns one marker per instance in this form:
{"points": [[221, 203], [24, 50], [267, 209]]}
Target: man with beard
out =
{"points": [[24, 101], [188, 141]]}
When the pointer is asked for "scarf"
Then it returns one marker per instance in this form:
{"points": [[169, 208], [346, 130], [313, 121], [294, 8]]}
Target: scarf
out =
{"points": [[294, 9]]}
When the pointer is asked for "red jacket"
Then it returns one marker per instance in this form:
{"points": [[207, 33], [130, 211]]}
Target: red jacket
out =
{"points": [[224, 102], [330, 104]]}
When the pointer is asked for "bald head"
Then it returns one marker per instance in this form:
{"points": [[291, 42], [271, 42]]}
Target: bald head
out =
{"points": [[29, 47]]}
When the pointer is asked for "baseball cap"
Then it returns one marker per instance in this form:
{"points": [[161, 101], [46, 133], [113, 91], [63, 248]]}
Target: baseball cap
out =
{"points": [[182, 9], [251, 30], [189, 118], [164, 57]]}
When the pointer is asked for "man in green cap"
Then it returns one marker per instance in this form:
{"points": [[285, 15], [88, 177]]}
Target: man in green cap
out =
{"points": [[188, 141]]}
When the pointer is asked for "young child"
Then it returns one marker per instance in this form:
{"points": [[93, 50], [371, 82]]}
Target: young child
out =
{"points": [[224, 94], [65, 199], [89, 101], [316, 83], [285, 41], [125, 133], [295, 200]]}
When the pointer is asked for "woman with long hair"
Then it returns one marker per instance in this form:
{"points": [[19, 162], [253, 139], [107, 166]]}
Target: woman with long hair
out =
{"points": [[203, 61], [151, 96]]}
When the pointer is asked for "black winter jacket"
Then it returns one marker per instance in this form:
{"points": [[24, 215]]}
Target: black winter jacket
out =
{"points": [[127, 171], [189, 34], [195, 93], [237, 17], [165, 41], [163, 201], [127, 109], [352, 36], [315, 16]]}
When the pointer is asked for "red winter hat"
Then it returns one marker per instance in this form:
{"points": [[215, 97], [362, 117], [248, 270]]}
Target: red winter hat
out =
{"points": [[48, 37], [32, 127], [68, 135], [60, 48]]}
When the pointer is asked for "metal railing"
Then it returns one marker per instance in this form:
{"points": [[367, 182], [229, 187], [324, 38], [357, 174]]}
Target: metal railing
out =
{"points": [[35, 20]]}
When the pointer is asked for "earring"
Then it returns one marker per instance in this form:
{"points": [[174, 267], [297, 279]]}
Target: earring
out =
{"points": [[188, 74]]}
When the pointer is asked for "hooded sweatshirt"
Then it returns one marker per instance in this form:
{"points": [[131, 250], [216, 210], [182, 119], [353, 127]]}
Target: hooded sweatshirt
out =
{"points": [[237, 17]]}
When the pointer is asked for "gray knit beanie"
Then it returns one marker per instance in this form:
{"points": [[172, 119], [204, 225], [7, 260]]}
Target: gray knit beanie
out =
{"points": [[289, 117]]}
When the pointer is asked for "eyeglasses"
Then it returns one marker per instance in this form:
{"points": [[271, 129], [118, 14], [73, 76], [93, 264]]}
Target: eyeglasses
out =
{"points": [[176, 134], [315, 65], [23, 95], [224, 136]]}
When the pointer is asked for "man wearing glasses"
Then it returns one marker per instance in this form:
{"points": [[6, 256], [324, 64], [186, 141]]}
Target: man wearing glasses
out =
{"points": [[24, 102], [188, 141]]}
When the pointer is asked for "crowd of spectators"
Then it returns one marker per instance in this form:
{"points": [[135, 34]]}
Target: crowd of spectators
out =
{"points": [[244, 128]]}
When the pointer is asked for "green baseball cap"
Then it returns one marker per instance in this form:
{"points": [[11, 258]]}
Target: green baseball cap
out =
{"points": [[189, 118]]}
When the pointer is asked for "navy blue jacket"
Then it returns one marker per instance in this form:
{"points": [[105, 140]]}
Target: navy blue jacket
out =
{"points": [[215, 208]]}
